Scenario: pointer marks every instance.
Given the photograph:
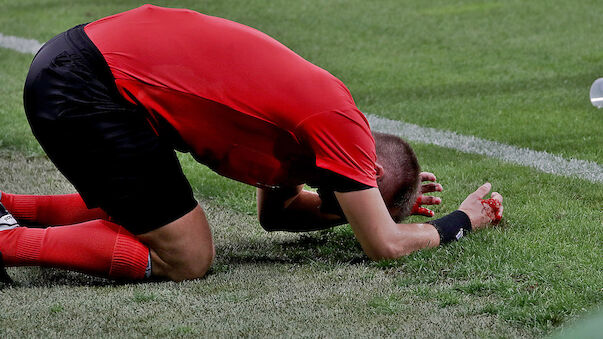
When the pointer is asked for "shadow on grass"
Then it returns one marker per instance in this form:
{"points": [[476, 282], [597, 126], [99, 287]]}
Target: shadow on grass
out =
{"points": [[333, 246], [35, 277]]}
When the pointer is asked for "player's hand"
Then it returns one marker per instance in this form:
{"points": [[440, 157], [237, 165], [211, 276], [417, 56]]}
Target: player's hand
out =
{"points": [[423, 199], [483, 212]]}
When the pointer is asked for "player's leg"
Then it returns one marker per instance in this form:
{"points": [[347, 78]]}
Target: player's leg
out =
{"points": [[97, 247], [114, 159], [114, 253], [50, 210], [182, 249]]}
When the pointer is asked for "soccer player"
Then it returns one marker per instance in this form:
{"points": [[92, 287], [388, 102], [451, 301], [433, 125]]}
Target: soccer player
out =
{"points": [[112, 100]]}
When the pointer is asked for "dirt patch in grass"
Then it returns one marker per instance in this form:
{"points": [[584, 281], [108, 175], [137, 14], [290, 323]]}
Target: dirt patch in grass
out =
{"points": [[30, 175]]}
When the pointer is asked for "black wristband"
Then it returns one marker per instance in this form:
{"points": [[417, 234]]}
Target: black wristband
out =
{"points": [[452, 226]]}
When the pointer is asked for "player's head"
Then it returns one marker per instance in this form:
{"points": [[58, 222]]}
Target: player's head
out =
{"points": [[399, 177]]}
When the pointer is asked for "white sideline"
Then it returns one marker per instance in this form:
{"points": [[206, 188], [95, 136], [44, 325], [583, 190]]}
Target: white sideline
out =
{"points": [[542, 161], [19, 44]]}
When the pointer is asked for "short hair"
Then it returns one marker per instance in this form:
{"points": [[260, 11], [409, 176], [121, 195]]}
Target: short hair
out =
{"points": [[399, 184]]}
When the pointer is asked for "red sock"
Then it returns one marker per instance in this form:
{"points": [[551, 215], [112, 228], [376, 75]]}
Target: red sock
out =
{"points": [[50, 210], [96, 247]]}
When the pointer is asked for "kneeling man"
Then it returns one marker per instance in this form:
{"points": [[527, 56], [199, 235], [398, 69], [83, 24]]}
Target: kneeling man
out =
{"points": [[111, 101]]}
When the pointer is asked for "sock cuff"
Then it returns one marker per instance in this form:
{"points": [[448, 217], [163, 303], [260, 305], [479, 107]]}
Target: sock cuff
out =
{"points": [[29, 245], [23, 208], [130, 257]]}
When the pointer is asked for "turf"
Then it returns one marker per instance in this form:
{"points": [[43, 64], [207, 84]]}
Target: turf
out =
{"points": [[511, 71]]}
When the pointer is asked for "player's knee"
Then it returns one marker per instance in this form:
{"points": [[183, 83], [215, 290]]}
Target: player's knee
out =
{"points": [[183, 249], [192, 265]]}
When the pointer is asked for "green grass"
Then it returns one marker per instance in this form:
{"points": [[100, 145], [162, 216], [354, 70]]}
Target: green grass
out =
{"points": [[511, 71]]}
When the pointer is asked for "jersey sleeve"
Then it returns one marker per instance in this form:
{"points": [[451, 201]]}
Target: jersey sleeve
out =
{"points": [[342, 143]]}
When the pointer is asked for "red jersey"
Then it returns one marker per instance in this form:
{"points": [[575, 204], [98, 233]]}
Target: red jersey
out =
{"points": [[243, 103]]}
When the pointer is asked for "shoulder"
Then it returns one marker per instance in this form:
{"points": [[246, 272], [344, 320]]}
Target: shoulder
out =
{"points": [[342, 143], [336, 120]]}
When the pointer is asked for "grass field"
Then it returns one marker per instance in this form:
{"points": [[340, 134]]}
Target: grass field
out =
{"points": [[515, 72]]}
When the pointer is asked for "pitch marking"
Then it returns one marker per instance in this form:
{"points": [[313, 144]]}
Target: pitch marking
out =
{"points": [[542, 161], [19, 44]]}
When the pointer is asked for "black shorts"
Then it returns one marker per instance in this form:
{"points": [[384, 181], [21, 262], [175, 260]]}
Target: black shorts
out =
{"points": [[104, 145]]}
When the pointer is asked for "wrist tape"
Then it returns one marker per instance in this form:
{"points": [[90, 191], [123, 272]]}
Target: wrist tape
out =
{"points": [[452, 226]]}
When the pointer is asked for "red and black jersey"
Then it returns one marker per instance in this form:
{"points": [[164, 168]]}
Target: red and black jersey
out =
{"points": [[243, 103]]}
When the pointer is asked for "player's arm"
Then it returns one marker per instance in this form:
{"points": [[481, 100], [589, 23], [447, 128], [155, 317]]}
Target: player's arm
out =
{"points": [[381, 238], [293, 209]]}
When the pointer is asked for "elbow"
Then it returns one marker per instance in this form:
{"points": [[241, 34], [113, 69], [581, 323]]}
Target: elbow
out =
{"points": [[388, 251], [268, 221], [384, 254]]}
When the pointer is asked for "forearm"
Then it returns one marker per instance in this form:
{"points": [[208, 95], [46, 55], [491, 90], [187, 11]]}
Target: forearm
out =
{"points": [[300, 213], [379, 236], [403, 239]]}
